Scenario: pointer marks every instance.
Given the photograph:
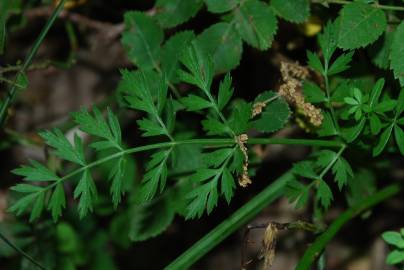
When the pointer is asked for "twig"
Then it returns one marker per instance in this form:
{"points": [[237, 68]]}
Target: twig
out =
{"points": [[20, 251], [35, 66], [112, 30], [295, 225], [28, 60]]}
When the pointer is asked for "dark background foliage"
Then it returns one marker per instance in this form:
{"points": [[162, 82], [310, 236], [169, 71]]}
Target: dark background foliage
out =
{"points": [[78, 65]]}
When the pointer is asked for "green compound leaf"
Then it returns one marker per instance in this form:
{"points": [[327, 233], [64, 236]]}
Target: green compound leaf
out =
{"points": [[147, 91], [199, 67], [221, 6], [214, 127], [150, 127], [240, 116], [397, 54], [150, 219], [64, 149], [216, 158], [225, 91], [195, 103], [305, 169], [351, 133], [341, 63], [375, 124], [120, 172], [57, 202], [342, 90], [36, 172], [399, 136], [314, 62], [395, 257], [342, 171], [53, 195], [171, 53], [223, 43], [26, 188], [400, 103], [275, 114], [375, 93], [201, 197], [186, 157], [324, 158], [37, 207], [23, 204], [116, 176], [227, 185], [296, 11], [171, 13], [96, 125], [324, 194], [297, 192], [142, 38], [394, 238], [155, 176], [206, 195], [359, 25], [385, 106], [313, 93], [379, 51], [328, 40], [383, 140], [327, 127], [87, 192], [256, 23]]}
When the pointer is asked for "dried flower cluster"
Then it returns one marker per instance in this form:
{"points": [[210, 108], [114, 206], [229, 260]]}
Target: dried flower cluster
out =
{"points": [[292, 74], [257, 108], [269, 243], [243, 180]]}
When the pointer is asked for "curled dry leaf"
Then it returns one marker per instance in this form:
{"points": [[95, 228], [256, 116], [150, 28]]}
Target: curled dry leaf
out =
{"points": [[269, 244]]}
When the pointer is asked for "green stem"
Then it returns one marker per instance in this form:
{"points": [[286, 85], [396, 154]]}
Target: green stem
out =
{"points": [[12, 92], [238, 219], [219, 113], [327, 91], [326, 169], [20, 251], [163, 126], [343, 2], [306, 142], [272, 99], [319, 244], [10, 82], [206, 142]]}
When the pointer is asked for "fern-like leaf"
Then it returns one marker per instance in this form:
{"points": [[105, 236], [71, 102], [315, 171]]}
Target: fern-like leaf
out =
{"points": [[108, 135]]}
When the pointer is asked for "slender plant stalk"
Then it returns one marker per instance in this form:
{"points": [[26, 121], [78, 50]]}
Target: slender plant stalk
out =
{"points": [[337, 156], [206, 142], [10, 82], [241, 217], [321, 241], [42, 65], [327, 91], [28, 60], [344, 2], [306, 142], [22, 252]]}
